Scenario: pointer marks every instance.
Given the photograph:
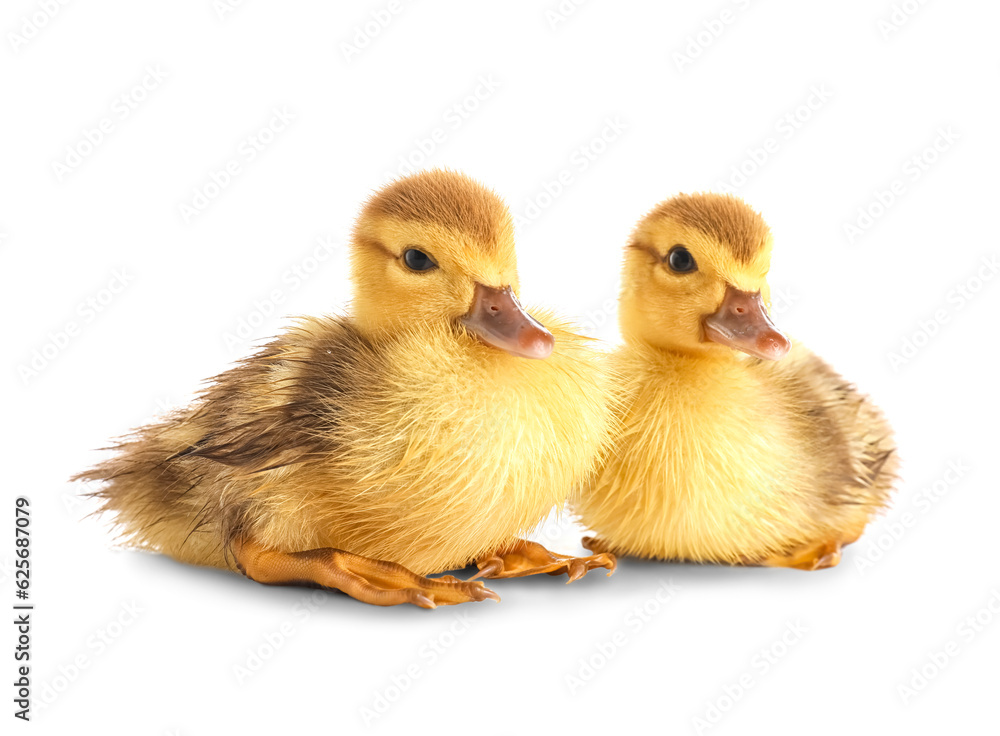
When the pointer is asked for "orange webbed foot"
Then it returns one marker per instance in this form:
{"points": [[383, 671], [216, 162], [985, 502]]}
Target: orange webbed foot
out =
{"points": [[378, 582], [810, 557], [530, 558]]}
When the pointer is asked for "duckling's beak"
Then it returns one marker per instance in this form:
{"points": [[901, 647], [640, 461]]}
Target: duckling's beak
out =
{"points": [[499, 320], [741, 322]]}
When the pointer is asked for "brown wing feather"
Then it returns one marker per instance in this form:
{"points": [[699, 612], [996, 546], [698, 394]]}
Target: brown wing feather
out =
{"points": [[185, 485], [850, 438]]}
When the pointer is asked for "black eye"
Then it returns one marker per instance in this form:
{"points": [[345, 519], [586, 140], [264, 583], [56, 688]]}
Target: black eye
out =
{"points": [[680, 260], [417, 260]]}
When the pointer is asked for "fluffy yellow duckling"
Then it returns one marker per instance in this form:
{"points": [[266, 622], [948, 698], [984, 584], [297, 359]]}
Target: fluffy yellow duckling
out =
{"points": [[737, 446], [429, 429]]}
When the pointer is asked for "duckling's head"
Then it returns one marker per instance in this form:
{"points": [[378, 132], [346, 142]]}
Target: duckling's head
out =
{"points": [[439, 247], [695, 279]]}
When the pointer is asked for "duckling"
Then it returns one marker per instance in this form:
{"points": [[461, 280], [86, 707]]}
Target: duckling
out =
{"points": [[428, 429], [737, 446]]}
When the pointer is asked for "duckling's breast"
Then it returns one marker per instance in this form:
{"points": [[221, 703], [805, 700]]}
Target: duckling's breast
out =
{"points": [[453, 448], [708, 467]]}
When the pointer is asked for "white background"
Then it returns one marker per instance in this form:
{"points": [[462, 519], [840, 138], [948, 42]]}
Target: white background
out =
{"points": [[549, 87]]}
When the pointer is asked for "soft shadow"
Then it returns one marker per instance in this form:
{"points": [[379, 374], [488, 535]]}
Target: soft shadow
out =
{"points": [[639, 576], [633, 576]]}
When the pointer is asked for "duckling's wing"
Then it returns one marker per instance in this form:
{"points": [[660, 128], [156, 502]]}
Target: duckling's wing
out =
{"points": [[279, 406], [198, 470], [848, 436]]}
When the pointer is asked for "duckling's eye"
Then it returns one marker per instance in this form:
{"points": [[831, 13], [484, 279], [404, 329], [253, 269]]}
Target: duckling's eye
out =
{"points": [[680, 260], [417, 260]]}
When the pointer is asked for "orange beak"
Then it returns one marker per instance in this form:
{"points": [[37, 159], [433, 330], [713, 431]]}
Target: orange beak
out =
{"points": [[741, 322], [499, 320]]}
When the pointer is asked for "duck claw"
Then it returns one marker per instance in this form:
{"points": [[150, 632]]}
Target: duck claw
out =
{"points": [[530, 558], [817, 556], [379, 582]]}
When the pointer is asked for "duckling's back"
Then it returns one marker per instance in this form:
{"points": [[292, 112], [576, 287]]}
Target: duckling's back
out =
{"points": [[188, 484]]}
